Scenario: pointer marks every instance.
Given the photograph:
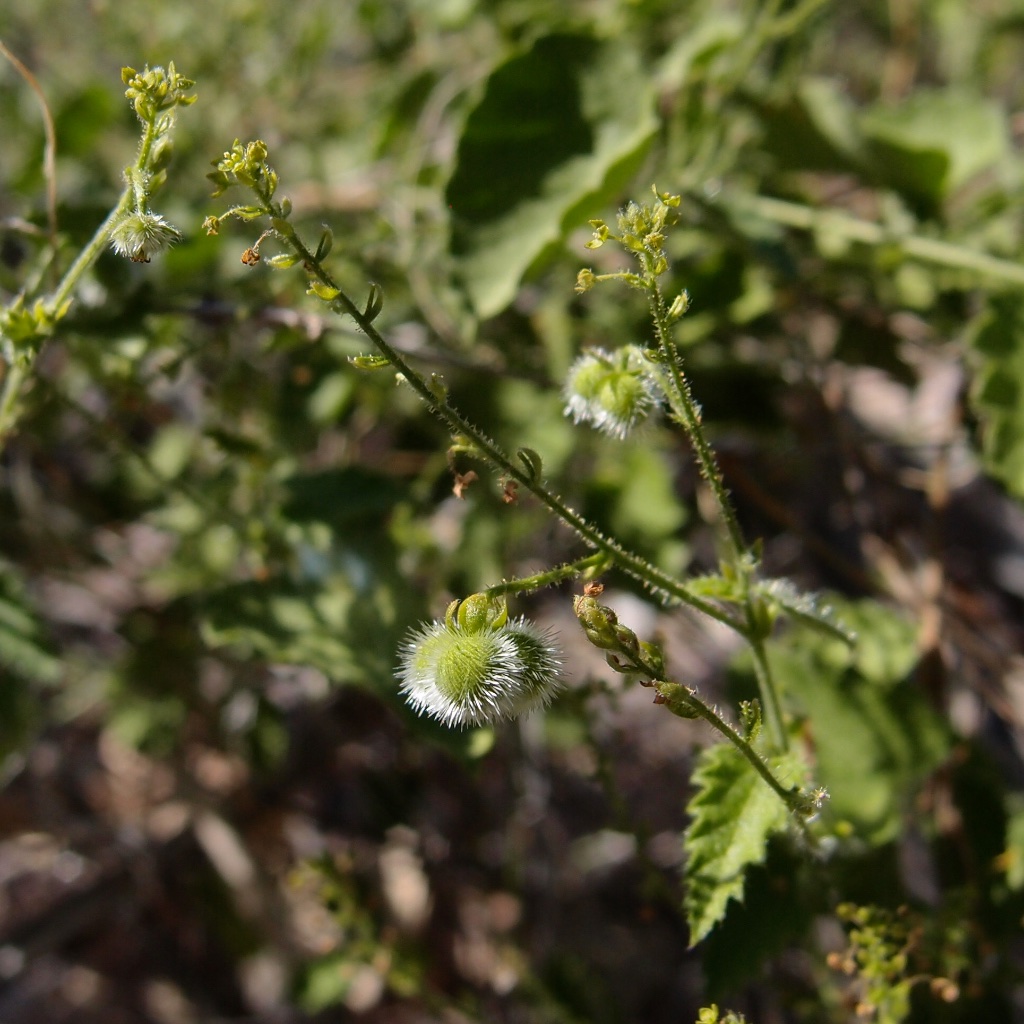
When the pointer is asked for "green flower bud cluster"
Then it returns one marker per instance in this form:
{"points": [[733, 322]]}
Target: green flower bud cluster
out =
{"points": [[155, 90], [245, 165], [154, 93], [641, 230], [478, 666], [626, 652], [613, 392], [23, 328]]}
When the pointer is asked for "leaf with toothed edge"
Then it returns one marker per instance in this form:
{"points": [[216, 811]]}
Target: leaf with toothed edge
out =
{"points": [[733, 814]]}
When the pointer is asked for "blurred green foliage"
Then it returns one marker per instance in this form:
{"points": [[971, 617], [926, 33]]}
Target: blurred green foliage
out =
{"points": [[195, 433]]}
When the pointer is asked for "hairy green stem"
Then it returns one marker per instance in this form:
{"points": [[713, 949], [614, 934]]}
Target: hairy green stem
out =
{"points": [[689, 417], [681, 701], [768, 693], [134, 195], [570, 570], [628, 561], [19, 370]]}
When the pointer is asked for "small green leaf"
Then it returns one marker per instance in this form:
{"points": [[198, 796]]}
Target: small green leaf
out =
{"points": [[325, 244], [282, 227], [369, 362], [532, 461], [808, 609], [245, 212], [283, 260], [559, 129], [374, 302], [732, 815], [717, 586], [323, 291]]}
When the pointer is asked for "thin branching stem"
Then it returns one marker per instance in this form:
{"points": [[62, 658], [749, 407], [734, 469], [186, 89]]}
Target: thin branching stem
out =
{"points": [[571, 570], [486, 448], [689, 416], [682, 701]]}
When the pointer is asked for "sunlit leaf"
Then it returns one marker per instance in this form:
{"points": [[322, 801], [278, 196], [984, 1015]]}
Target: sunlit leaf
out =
{"points": [[556, 134], [732, 815]]}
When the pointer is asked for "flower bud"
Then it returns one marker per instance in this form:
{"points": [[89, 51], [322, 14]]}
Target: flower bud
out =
{"points": [[612, 392], [585, 280], [598, 622], [480, 612], [141, 235]]}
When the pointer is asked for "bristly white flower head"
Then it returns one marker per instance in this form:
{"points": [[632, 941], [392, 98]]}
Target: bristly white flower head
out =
{"points": [[613, 392], [477, 666], [142, 235]]}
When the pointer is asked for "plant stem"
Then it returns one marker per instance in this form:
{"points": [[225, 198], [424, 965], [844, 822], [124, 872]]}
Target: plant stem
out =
{"points": [[688, 415], [570, 570], [630, 562], [768, 692], [18, 370], [681, 701]]}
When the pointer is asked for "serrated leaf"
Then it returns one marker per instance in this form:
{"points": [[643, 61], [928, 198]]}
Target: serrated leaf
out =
{"points": [[732, 815], [776, 912], [559, 130]]}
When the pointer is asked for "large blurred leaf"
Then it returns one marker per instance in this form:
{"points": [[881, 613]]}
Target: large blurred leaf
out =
{"points": [[997, 393], [631, 492], [935, 142], [717, 31], [814, 128], [558, 131], [340, 497], [25, 661], [348, 632], [875, 735]]}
